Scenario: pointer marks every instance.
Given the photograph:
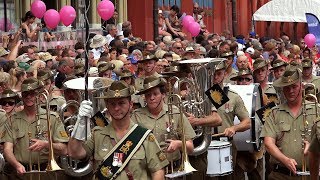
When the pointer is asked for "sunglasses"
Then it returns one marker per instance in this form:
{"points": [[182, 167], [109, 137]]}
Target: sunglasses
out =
{"points": [[244, 79], [178, 47], [10, 103]]}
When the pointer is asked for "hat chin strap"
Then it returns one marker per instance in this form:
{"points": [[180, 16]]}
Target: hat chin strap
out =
{"points": [[123, 116]]}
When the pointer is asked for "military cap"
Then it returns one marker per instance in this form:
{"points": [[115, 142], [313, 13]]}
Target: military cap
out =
{"points": [[241, 72], [260, 63], [126, 73], [151, 82], [8, 93], [218, 65], [148, 57], [44, 74], [103, 67], [306, 63], [278, 63], [118, 89], [79, 69], [290, 76], [30, 84], [226, 54]]}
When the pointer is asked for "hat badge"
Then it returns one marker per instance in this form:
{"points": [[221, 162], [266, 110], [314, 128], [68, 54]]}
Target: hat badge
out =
{"points": [[117, 93]]}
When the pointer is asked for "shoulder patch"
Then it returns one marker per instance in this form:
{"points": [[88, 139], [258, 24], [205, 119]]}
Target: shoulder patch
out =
{"points": [[162, 156], [151, 138]]}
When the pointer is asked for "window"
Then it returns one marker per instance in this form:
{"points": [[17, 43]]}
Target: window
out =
{"points": [[165, 4], [205, 4], [11, 18]]}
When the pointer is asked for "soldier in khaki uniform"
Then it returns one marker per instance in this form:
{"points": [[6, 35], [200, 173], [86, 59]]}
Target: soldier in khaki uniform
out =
{"points": [[252, 163], [147, 162], [234, 107], [229, 72], [56, 101], [260, 75], [26, 140], [155, 116], [307, 76], [278, 68], [149, 68], [285, 132]]}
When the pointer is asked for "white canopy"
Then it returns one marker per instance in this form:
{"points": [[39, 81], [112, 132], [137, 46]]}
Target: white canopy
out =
{"points": [[287, 10]]}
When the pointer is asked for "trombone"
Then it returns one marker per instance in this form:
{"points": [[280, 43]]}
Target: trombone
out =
{"points": [[185, 167], [306, 131]]}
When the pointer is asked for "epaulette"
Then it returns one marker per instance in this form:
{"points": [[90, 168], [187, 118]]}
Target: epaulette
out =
{"points": [[54, 114], [97, 128], [175, 109]]}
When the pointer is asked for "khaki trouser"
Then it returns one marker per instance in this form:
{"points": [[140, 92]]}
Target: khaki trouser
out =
{"points": [[200, 164]]}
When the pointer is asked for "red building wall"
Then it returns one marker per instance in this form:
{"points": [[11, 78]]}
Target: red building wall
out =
{"points": [[141, 15]]}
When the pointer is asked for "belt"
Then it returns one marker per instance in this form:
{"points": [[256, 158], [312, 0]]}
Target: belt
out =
{"points": [[42, 166], [283, 170]]}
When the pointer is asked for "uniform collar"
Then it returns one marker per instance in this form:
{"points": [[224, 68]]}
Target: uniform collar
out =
{"points": [[162, 112], [109, 130]]}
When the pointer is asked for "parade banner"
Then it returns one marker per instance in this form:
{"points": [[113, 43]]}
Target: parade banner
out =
{"points": [[313, 26]]}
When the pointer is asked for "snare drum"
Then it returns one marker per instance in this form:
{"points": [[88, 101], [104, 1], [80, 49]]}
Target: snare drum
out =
{"points": [[219, 159], [251, 95]]}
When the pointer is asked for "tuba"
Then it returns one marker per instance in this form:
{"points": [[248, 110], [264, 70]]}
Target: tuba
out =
{"points": [[202, 71]]}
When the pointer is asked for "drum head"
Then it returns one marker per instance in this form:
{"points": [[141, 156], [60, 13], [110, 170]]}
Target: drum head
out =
{"points": [[79, 83], [252, 97], [195, 61]]}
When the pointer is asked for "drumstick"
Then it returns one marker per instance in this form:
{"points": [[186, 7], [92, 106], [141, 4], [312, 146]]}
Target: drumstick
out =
{"points": [[217, 135]]}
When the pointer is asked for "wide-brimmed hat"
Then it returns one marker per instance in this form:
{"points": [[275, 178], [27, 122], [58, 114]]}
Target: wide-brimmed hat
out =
{"points": [[46, 57], [218, 65], [260, 63], [160, 53], [226, 54], [79, 69], [3, 52], [44, 74], [118, 89], [148, 57], [289, 77], [241, 72], [98, 41], [30, 84], [103, 67], [125, 73], [8, 93], [306, 63], [151, 82], [278, 63], [189, 49], [23, 58]]}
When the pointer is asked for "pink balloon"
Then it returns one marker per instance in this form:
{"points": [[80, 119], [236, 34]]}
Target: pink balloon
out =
{"points": [[187, 20], [194, 29], [52, 18], [105, 9], [67, 15], [38, 8], [2, 25], [310, 40]]}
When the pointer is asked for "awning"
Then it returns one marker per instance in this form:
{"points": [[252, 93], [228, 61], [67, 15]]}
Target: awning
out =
{"points": [[287, 10]]}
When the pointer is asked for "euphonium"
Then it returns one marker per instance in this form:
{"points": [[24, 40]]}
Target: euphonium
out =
{"points": [[71, 166]]}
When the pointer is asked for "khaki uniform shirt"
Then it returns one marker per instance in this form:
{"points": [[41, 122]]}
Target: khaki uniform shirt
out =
{"points": [[160, 124], [18, 135], [144, 162], [232, 74], [287, 130], [3, 124], [234, 107]]}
